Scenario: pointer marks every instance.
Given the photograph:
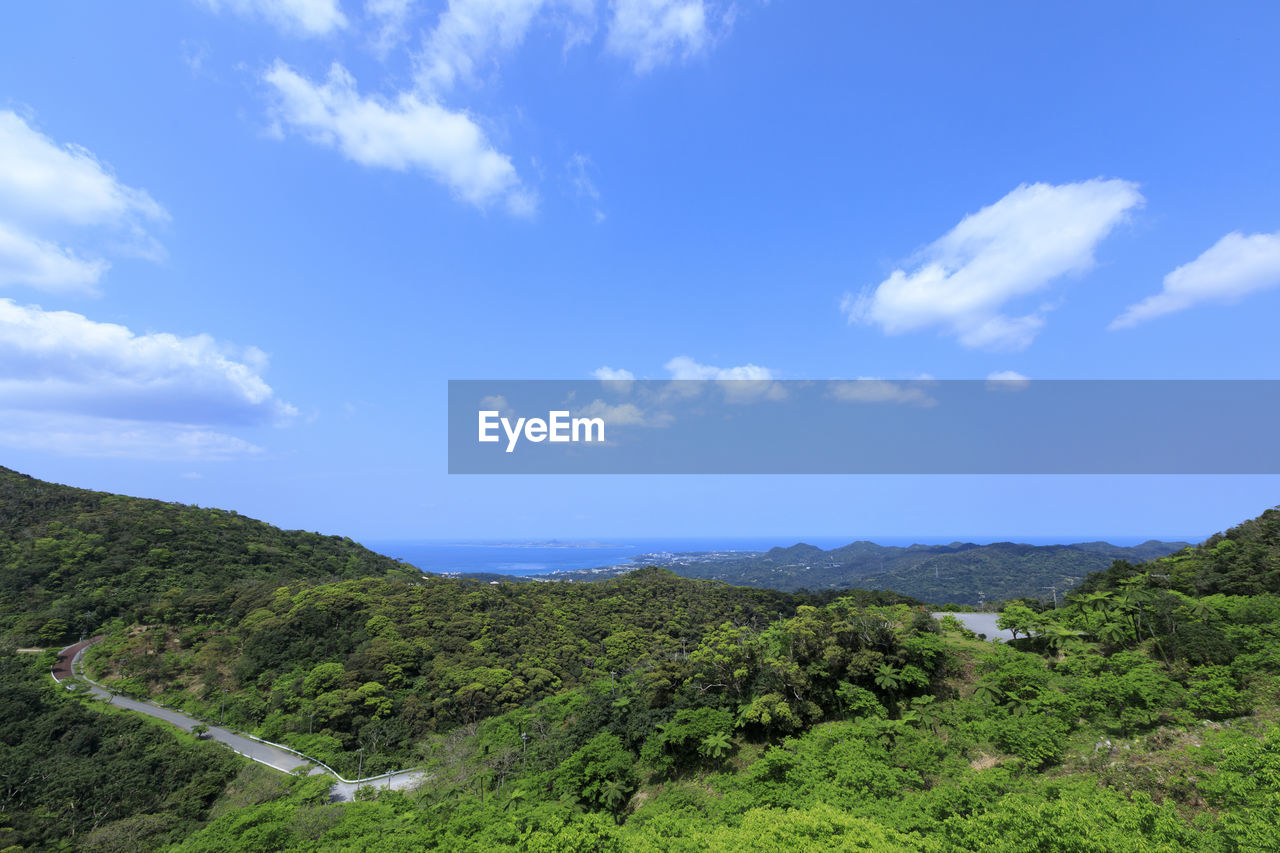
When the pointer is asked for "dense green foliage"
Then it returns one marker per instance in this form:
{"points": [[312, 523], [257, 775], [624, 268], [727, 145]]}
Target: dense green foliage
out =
{"points": [[378, 664], [74, 778], [1014, 751], [959, 573], [72, 559]]}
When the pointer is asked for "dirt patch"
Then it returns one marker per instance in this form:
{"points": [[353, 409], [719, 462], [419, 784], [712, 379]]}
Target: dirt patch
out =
{"points": [[984, 762], [639, 799]]}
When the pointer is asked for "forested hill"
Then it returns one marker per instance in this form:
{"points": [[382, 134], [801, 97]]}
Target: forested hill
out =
{"points": [[961, 572], [1243, 561], [71, 559]]}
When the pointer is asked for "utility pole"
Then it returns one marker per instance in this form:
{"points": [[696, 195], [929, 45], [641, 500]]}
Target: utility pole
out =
{"points": [[223, 713], [360, 766], [1055, 595]]}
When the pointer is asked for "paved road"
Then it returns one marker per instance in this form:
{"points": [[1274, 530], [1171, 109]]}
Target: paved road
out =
{"points": [[281, 759], [398, 781]]}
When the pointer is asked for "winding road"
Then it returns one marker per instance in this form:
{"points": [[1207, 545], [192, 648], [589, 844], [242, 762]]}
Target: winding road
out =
{"points": [[272, 755]]}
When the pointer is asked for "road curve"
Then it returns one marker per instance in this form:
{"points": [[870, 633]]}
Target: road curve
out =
{"points": [[68, 666]]}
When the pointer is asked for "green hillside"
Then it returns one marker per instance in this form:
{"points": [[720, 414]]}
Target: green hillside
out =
{"points": [[73, 559], [1243, 561]]}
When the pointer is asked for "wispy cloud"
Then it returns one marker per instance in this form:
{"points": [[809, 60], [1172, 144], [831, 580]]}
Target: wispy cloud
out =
{"points": [[81, 436], [469, 34], [1236, 266], [293, 17], [1010, 249], [390, 23], [651, 33], [579, 170]]}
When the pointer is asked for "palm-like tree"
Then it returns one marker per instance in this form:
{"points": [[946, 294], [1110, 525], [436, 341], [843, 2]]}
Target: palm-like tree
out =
{"points": [[984, 692], [1096, 600], [614, 794], [1112, 632], [887, 677], [1017, 703], [1204, 610], [1133, 600], [715, 746], [517, 797], [1059, 636], [926, 709]]}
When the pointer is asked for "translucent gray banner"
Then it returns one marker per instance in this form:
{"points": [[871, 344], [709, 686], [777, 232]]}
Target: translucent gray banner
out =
{"points": [[864, 426]]}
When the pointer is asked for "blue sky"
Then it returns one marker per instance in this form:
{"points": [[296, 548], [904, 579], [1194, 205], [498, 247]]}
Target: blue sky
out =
{"points": [[245, 243]]}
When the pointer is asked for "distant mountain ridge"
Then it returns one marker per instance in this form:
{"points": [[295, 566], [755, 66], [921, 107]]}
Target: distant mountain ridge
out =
{"points": [[958, 572]]}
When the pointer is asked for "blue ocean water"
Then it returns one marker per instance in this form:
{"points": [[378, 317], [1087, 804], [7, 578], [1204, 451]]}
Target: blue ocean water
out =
{"points": [[538, 558]]}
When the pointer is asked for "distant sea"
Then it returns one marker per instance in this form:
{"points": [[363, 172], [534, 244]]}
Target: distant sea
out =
{"points": [[543, 557], [540, 558]]}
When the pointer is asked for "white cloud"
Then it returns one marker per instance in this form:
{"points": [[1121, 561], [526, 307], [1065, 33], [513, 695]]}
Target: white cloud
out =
{"points": [[44, 182], [1007, 380], [471, 34], [407, 133], [38, 263], [77, 435], [1233, 268], [296, 17], [868, 390], [649, 33], [741, 384], [497, 403], [624, 414], [683, 367], [1008, 250], [618, 381], [392, 19], [48, 191], [467, 33], [59, 361]]}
